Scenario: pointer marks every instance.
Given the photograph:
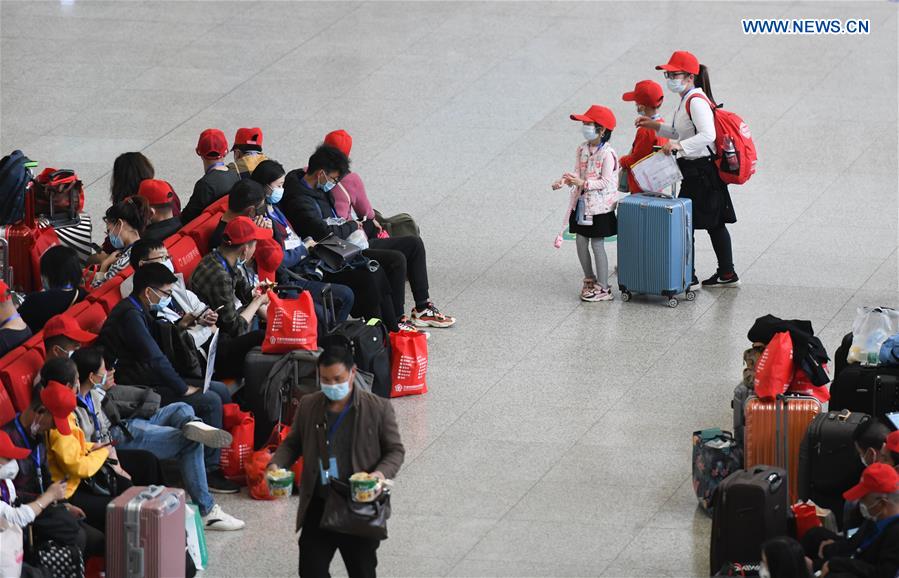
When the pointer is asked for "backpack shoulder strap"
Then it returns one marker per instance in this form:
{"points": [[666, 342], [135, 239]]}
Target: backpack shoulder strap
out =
{"points": [[691, 97]]}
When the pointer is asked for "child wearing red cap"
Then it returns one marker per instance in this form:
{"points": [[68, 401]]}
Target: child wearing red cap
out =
{"points": [[12, 518], [593, 197], [648, 97], [247, 151]]}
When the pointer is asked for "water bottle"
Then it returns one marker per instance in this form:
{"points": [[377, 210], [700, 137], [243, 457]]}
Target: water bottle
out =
{"points": [[730, 156]]}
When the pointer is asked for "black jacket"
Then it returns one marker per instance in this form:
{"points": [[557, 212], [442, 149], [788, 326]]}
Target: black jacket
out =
{"points": [[879, 560], [162, 230], [128, 334], [307, 208]]}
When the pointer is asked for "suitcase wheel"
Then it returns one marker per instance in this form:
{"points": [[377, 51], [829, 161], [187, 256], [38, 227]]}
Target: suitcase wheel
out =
{"points": [[672, 302], [691, 295], [625, 296]]}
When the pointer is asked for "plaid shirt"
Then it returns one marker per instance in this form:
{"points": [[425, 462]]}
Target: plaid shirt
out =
{"points": [[218, 285]]}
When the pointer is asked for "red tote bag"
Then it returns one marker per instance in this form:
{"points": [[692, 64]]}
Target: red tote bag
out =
{"points": [[241, 425], [408, 363], [292, 324]]}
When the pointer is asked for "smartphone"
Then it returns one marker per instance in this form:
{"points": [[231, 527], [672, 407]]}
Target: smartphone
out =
{"points": [[893, 418]]}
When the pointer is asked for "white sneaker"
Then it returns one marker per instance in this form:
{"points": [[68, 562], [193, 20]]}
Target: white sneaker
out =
{"points": [[212, 437], [218, 520]]}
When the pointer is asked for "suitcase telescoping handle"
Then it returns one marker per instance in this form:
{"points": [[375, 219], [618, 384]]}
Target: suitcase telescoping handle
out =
{"points": [[134, 551], [782, 439]]}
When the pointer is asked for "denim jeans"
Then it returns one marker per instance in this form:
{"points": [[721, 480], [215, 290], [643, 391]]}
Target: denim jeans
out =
{"points": [[161, 435], [208, 407]]}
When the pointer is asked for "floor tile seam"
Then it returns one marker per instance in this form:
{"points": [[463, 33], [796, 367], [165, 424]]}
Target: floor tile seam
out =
{"points": [[855, 292], [238, 85]]}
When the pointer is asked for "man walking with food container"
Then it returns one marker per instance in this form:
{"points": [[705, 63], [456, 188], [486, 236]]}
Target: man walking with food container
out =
{"points": [[350, 445]]}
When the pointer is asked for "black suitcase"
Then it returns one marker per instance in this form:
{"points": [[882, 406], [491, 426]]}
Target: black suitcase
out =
{"points": [[828, 462], [302, 378], [370, 343], [871, 389], [749, 508]]}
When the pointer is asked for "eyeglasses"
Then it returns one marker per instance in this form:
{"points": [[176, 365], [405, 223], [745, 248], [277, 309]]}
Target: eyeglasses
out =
{"points": [[161, 292], [675, 74]]}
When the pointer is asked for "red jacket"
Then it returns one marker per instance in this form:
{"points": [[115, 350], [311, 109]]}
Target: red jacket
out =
{"points": [[644, 140]]}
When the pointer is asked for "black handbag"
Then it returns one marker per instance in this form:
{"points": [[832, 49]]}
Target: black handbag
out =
{"points": [[343, 515], [103, 482], [179, 347], [335, 252]]}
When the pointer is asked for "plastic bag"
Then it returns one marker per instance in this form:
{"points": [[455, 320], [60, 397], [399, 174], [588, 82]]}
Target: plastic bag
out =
{"points": [[872, 326], [196, 537], [358, 238], [803, 385], [241, 425], [774, 370], [806, 515], [408, 363], [889, 351], [255, 470], [291, 324]]}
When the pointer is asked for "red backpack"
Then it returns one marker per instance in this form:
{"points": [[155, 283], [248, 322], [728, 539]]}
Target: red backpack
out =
{"points": [[736, 156]]}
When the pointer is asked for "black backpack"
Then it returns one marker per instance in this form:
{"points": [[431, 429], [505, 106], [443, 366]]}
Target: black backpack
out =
{"points": [[369, 342], [15, 177]]}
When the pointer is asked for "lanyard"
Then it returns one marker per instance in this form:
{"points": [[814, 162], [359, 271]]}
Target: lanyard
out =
{"points": [[332, 429], [276, 215], [214, 166], [35, 453], [10, 318], [89, 404], [224, 263]]}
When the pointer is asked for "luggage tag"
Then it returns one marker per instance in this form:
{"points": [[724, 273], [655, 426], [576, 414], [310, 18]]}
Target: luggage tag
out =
{"points": [[324, 451], [329, 472]]}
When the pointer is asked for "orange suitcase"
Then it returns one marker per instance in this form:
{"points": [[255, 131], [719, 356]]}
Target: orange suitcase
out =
{"points": [[774, 431]]}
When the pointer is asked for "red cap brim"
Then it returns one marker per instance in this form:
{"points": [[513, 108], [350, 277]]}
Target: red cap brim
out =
{"points": [[80, 335], [629, 96], [582, 118], [669, 68], [62, 425], [856, 492], [16, 453], [262, 234]]}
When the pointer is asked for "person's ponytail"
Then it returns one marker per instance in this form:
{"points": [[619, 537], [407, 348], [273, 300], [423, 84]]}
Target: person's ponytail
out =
{"points": [[701, 80], [134, 210]]}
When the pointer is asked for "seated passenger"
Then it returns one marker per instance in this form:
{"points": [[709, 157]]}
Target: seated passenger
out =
{"points": [[247, 151], [216, 181], [411, 264], [70, 456], [63, 283], [783, 558], [878, 555], [129, 335], [160, 196], [172, 433], [245, 199], [14, 518], [194, 316], [63, 336], [125, 222], [13, 329], [222, 281]]}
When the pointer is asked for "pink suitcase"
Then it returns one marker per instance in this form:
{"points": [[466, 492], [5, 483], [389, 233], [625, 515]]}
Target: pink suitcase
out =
{"points": [[145, 535]]}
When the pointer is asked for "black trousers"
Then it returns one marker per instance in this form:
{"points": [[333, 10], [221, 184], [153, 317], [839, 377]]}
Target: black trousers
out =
{"points": [[372, 293], [232, 351], [94, 506], [411, 264], [712, 207], [724, 252], [317, 547]]}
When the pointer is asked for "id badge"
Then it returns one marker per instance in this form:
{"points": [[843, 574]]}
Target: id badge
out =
{"points": [[330, 472]]}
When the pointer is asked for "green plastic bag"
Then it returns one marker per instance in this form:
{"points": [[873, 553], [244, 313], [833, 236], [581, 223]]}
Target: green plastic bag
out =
{"points": [[196, 536]]}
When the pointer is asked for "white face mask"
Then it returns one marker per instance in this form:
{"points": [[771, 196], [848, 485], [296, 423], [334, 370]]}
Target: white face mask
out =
{"points": [[35, 429], [169, 265], [864, 463], [589, 132], [676, 85], [10, 470]]}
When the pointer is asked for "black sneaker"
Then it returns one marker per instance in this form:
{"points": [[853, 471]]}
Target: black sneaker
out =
{"points": [[219, 484], [722, 280], [694, 281]]}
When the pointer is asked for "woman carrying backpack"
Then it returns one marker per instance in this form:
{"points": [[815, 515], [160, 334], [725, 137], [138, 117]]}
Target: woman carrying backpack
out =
{"points": [[692, 137]]}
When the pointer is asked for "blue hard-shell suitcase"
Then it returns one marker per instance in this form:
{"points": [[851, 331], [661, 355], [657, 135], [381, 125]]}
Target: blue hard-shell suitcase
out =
{"points": [[655, 241]]}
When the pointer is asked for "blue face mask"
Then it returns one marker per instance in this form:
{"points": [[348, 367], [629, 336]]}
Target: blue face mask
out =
{"points": [[337, 391], [275, 197], [327, 186], [102, 383], [163, 303], [115, 241]]}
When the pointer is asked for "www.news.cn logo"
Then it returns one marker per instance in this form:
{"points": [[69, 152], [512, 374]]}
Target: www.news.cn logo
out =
{"points": [[806, 26]]}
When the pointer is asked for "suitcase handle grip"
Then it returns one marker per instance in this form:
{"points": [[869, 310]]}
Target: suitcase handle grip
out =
{"points": [[774, 483]]}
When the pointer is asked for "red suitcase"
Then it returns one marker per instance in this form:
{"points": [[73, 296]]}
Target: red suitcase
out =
{"points": [[145, 534], [26, 243]]}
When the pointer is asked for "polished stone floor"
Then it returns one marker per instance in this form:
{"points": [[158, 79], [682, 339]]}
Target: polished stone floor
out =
{"points": [[555, 439]]}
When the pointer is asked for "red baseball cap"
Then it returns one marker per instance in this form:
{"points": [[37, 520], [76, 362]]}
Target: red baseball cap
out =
{"points": [[268, 258], [243, 230], [10, 450], [646, 92], [341, 140], [4, 291], [876, 479], [156, 192], [681, 61], [599, 114], [66, 325], [60, 400], [212, 144], [248, 137], [892, 443]]}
